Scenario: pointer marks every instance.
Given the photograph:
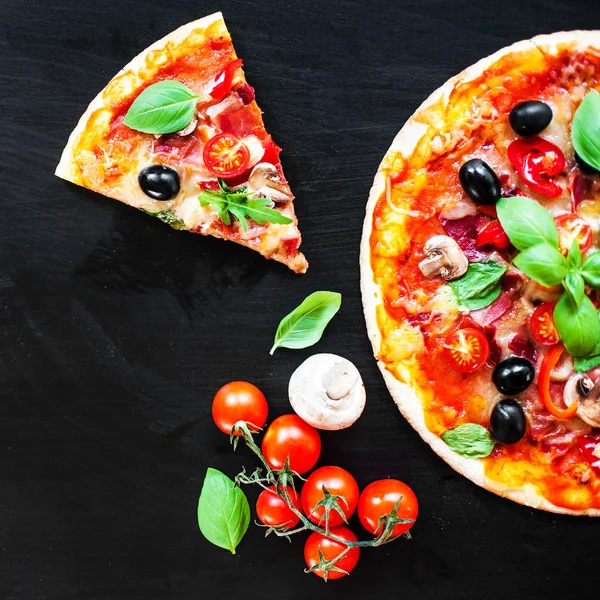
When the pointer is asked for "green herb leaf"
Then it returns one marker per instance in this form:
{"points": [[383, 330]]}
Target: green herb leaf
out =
{"points": [[470, 439], [589, 361], [585, 131], [304, 326], [163, 107], [237, 204], [526, 223], [577, 326], [223, 511], [575, 286], [591, 269], [543, 263], [166, 216], [479, 286], [574, 256]]}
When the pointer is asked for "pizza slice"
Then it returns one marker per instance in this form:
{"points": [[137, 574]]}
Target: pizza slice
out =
{"points": [[177, 133]]}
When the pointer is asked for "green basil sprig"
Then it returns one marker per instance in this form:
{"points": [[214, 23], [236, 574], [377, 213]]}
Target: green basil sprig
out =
{"points": [[585, 131], [223, 511], [163, 107], [590, 360], [470, 439], [237, 204], [304, 326], [479, 286]]}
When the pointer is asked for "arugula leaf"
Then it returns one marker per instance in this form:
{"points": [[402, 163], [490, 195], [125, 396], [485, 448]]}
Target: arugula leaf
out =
{"points": [[585, 131], [574, 256], [237, 204], [526, 222], [223, 511], [577, 326], [163, 107], [591, 269], [575, 287], [589, 361], [543, 263], [470, 439], [304, 326], [166, 216], [479, 286]]}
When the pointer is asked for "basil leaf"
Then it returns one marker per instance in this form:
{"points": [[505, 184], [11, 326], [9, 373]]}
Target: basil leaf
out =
{"points": [[585, 131], [223, 511], [574, 256], [591, 269], [589, 361], [163, 107], [543, 263], [526, 222], [470, 439], [479, 286], [304, 326], [575, 287], [577, 326]]}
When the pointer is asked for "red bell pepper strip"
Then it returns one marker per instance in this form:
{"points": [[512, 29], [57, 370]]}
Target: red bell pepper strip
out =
{"points": [[224, 79], [493, 234], [548, 363]]}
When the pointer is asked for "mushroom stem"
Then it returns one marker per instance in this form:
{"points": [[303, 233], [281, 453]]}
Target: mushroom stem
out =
{"points": [[443, 257]]}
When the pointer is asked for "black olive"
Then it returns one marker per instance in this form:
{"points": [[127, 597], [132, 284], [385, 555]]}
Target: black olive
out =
{"points": [[508, 422], [513, 375], [530, 118], [584, 167], [480, 182], [159, 182]]}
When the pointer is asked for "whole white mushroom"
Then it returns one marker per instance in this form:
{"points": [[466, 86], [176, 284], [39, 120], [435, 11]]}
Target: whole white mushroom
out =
{"points": [[327, 392]]}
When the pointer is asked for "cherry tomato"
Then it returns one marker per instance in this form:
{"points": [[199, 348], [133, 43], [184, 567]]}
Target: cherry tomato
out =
{"points": [[338, 482], [379, 499], [543, 328], [239, 401], [493, 234], [536, 160], [272, 510], [570, 227], [289, 436], [330, 549], [590, 446], [466, 350], [224, 79], [548, 363], [225, 155]]}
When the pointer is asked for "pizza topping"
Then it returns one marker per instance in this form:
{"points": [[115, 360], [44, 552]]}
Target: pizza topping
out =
{"points": [[226, 155], [585, 131], [469, 439], [543, 328], [480, 182], [224, 79], [584, 167], [466, 350], [548, 363], [444, 258], [536, 293], [508, 421], [572, 227], [480, 285], [189, 128], [265, 181], [513, 375], [159, 182], [536, 160], [327, 392], [581, 392], [494, 235], [530, 117], [590, 447]]}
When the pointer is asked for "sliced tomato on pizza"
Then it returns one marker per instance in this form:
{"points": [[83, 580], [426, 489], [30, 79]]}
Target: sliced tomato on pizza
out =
{"points": [[177, 133]]}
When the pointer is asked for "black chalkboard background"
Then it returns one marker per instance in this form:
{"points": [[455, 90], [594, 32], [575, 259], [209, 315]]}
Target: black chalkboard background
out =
{"points": [[115, 331]]}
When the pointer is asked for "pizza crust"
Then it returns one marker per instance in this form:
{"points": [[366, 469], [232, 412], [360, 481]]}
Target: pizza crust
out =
{"points": [[404, 396]]}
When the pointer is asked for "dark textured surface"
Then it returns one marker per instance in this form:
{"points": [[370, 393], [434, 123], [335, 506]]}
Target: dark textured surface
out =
{"points": [[116, 331]]}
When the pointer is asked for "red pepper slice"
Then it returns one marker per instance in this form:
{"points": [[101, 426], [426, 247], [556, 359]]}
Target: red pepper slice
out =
{"points": [[493, 234], [224, 79], [536, 160], [548, 363]]}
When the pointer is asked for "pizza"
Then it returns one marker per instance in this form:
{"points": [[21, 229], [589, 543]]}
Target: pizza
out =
{"points": [[178, 134], [480, 272]]}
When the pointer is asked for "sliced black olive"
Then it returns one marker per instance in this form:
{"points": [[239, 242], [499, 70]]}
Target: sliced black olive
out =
{"points": [[159, 182], [530, 118], [584, 167], [480, 182], [513, 375], [508, 422]]}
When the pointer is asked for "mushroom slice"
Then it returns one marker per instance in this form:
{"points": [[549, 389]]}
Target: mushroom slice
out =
{"points": [[581, 389], [189, 128], [327, 392], [265, 182], [443, 257], [536, 293]]}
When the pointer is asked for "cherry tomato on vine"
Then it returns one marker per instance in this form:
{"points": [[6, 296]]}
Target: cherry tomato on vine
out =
{"points": [[543, 328], [330, 549], [338, 482], [379, 498], [290, 436], [239, 401], [225, 155], [273, 511], [224, 79], [570, 227], [466, 349]]}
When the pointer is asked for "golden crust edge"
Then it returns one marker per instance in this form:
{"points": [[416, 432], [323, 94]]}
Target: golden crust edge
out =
{"points": [[403, 395]]}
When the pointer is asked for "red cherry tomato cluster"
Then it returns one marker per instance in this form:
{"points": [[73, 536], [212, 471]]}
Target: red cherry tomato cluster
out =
{"points": [[329, 497]]}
